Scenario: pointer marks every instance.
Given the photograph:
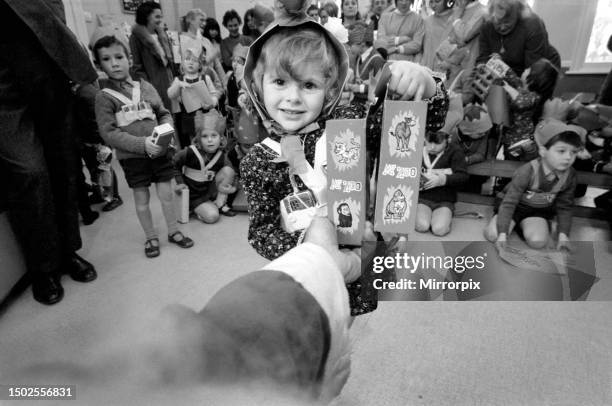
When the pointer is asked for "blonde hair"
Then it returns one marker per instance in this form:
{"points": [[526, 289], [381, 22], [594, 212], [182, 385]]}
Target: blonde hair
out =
{"points": [[191, 14], [290, 49]]}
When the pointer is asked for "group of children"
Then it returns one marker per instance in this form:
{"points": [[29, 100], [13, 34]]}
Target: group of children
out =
{"points": [[294, 76]]}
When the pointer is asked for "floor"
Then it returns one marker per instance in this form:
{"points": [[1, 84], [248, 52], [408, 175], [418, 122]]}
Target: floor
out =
{"points": [[405, 353]]}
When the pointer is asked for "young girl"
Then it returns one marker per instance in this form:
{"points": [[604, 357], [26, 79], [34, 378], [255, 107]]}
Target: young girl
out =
{"points": [[294, 76], [527, 97], [444, 168], [205, 169], [195, 91], [127, 111]]}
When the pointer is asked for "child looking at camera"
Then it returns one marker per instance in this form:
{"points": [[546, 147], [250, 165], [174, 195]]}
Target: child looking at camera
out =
{"points": [[194, 90], [444, 169], [127, 111], [206, 172], [541, 190]]}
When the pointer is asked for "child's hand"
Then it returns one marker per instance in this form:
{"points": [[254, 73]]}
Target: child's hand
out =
{"points": [[151, 148], [583, 154], [501, 241], [435, 180], [563, 244], [411, 81], [607, 168], [183, 84], [179, 187]]}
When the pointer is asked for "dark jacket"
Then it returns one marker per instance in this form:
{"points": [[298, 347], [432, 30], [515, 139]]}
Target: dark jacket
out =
{"points": [[148, 63], [527, 43]]}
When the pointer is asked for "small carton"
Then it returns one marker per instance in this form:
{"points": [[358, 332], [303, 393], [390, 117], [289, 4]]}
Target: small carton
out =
{"points": [[347, 179], [181, 201], [162, 135]]}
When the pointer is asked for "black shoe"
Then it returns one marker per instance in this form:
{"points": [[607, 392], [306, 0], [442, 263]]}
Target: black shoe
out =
{"points": [[96, 198], [47, 290], [79, 269], [89, 218], [152, 250], [113, 204], [179, 239], [226, 211]]}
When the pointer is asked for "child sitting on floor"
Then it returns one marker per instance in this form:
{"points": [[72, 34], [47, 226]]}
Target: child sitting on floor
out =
{"points": [[205, 170], [444, 168], [127, 111], [195, 91], [540, 190]]}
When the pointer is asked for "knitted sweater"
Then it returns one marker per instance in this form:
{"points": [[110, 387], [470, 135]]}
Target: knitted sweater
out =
{"points": [[128, 141], [393, 24], [437, 28], [454, 159], [520, 184]]}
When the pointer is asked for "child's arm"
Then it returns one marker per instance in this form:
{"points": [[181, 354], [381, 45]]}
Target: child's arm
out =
{"points": [[179, 161], [162, 114], [516, 188], [110, 131], [481, 152], [174, 91], [212, 89], [564, 203], [459, 167], [265, 232], [468, 30]]}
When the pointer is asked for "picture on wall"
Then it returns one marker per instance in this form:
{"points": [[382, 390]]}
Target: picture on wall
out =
{"points": [[130, 6]]}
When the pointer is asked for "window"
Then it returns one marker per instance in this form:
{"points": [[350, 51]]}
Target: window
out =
{"points": [[597, 51]]}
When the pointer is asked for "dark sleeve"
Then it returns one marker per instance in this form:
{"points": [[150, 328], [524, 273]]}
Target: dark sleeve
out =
{"points": [[138, 70], [536, 45], [265, 232], [516, 188], [459, 167], [480, 153], [564, 203], [179, 160], [485, 50], [86, 114]]}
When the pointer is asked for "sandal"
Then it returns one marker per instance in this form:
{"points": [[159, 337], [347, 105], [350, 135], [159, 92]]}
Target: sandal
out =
{"points": [[183, 242], [152, 251]]}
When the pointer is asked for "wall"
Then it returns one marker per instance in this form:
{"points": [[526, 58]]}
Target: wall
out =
{"points": [[172, 10]]}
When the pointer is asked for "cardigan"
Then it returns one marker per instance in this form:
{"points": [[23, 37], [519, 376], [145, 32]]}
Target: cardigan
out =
{"points": [[453, 158], [393, 24]]}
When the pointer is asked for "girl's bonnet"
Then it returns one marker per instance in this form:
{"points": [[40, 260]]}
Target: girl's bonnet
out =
{"points": [[290, 13]]}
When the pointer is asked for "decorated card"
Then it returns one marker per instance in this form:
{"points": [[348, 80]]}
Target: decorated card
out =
{"points": [[346, 175], [399, 169]]}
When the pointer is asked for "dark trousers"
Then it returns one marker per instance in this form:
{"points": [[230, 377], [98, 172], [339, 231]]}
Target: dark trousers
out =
{"points": [[39, 166]]}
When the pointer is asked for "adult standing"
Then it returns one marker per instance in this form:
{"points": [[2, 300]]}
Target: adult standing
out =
{"points": [[232, 21], [517, 34], [401, 32], [437, 27], [40, 58], [192, 38], [350, 12], [468, 17], [249, 28], [378, 6], [151, 51]]}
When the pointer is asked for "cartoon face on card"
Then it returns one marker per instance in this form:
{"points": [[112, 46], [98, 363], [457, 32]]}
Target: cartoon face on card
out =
{"points": [[403, 134], [346, 148], [397, 204], [346, 215]]}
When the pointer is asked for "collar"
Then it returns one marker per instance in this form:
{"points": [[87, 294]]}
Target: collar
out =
{"points": [[367, 53], [396, 11], [547, 170], [122, 84]]}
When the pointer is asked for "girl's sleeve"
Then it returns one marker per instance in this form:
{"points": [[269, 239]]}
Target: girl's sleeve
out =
{"points": [[179, 161], [480, 154], [468, 30], [459, 166], [265, 232], [174, 91], [110, 132]]}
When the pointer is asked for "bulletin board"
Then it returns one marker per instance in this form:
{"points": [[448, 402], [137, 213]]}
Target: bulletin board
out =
{"points": [[130, 6]]}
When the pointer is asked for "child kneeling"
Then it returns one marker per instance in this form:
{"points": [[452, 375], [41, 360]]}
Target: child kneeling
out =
{"points": [[444, 168], [540, 190], [205, 169]]}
